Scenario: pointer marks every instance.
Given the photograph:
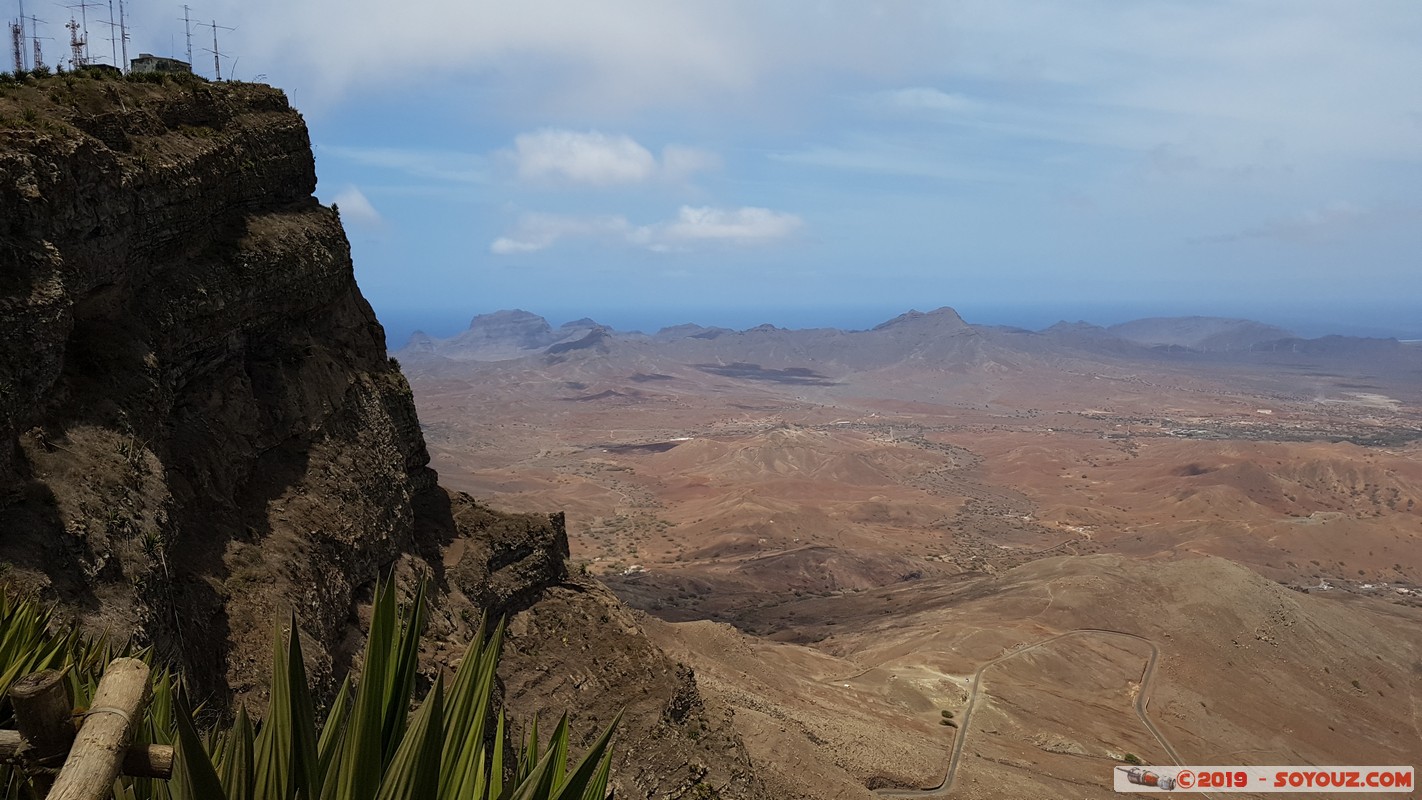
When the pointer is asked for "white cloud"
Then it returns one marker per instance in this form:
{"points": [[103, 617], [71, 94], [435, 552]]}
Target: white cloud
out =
{"points": [[1331, 76], [598, 159], [356, 208], [619, 53], [742, 226], [746, 225], [591, 157], [679, 163]]}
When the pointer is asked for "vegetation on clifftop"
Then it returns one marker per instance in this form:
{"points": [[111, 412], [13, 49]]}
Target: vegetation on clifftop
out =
{"points": [[369, 747]]}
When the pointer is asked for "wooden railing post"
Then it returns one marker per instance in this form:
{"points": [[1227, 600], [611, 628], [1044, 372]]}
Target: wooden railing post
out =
{"points": [[141, 760], [44, 715], [98, 751]]}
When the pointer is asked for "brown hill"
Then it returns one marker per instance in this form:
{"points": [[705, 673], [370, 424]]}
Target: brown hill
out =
{"points": [[1246, 672]]}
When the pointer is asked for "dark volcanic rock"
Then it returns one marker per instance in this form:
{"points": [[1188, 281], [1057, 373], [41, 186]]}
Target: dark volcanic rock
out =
{"points": [[502, 334], [200, 431], [596, 340], [208, 429]]}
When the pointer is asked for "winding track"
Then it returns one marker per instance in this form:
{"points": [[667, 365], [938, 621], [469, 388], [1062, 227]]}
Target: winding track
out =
{"points": [[956, 756]]}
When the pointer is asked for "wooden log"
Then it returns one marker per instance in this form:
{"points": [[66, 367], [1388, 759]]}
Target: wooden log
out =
{"points": [[139, 761], [43, 713], [97, 755], [149, 761]]}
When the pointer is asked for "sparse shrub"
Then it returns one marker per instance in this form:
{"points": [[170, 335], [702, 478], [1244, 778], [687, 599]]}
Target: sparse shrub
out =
{"points": [[1131, 758], [146, 77], [947, 714]]}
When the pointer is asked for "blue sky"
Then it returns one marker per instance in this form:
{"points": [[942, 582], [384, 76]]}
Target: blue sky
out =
{"points": [[648, 163]]}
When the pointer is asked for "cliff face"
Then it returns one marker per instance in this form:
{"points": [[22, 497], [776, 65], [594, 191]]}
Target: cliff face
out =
{"points": [[201, 425], [200, 431]]}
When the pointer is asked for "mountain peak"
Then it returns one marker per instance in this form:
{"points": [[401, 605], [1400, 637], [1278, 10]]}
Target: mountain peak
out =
{"points": [[939, 317]]}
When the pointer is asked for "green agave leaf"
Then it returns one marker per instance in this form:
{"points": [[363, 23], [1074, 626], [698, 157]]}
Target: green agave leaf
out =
{"points": [[404, 662], [459, 719], [528, 757], [597, 788], [357, 770], [496, 772], [558, 746], [274, 748], [588, 780], [466, 717], [193, 775], [161, 707], [538, 783], [236, 761], [308, 773], [414, 772], [333, 731]]}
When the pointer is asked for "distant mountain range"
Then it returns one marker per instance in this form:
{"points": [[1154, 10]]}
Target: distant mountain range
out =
{"points": [[939, 336]]}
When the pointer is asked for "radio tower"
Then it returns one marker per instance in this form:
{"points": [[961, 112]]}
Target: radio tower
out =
{"points": [[123, 38], [113, 35], [17, 36], [83, 6], [35, 40], [21, 60], [188, 31], [216, 53], [76, 45]]}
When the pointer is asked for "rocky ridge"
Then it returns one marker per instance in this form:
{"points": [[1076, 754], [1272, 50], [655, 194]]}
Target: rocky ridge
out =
{"points": [[200, 431]]}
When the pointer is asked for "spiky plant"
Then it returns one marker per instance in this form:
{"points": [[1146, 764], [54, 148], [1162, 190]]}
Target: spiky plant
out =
{"points": [[370, 747], [31, 640]]}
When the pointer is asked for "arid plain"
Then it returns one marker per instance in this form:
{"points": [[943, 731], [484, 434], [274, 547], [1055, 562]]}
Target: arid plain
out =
{"points": [[1190, 540]]}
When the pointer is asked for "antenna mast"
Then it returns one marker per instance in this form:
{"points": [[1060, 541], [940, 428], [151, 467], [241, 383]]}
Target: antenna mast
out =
{"points": [[188, 31], [20, 62], [216, 53], [123, 38], [17, 37], [35, 40], [113, 36], [76, 45], [83, 6]]}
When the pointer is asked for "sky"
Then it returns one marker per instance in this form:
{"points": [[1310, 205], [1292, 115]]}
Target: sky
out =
{"points": [[836, 163]]}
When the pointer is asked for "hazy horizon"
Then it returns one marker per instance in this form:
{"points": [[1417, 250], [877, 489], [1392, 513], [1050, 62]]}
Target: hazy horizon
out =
{"points": [[400, 324]]}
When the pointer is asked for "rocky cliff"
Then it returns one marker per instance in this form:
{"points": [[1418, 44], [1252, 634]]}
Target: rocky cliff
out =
{"points": [[200, 431]]}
